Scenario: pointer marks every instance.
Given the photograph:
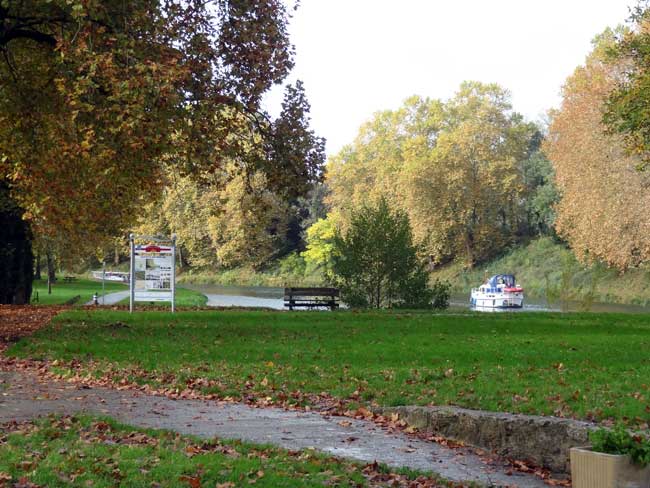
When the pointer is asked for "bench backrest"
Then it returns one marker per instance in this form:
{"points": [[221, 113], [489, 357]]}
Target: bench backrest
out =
{"points": [[310, 292]]}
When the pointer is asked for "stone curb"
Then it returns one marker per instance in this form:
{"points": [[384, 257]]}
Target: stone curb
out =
{"points": [[545, 441]]}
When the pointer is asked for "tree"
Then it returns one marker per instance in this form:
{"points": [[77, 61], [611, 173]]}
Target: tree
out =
{"points": [[15, 252], [225, 220], [603, 210], [249, 223], [376, 264], [98, 97], [295, 153], [542, 194], [625, 109], [320, 245], [469, 189], [454, 167]]}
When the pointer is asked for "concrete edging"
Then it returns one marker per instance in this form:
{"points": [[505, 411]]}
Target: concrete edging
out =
{"points": [[545, 441]]}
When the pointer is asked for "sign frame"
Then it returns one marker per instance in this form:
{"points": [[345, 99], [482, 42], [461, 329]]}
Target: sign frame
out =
{"points": [[157, 240]]}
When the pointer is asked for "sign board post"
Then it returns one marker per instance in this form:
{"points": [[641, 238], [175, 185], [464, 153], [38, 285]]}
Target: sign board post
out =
{"points": [[104, 282], [173, 280], [153, 274]]}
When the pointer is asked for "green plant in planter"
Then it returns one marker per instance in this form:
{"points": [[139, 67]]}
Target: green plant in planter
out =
{"points": [[619, 441]]}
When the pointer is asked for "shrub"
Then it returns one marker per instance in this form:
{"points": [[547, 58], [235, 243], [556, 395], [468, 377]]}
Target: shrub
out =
{"points": [[620, 441], [376, 263], [292, 264], [441, 291]]}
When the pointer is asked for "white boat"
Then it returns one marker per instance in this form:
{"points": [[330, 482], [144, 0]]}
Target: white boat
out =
{"points": [[499, 291], [111, 276]]}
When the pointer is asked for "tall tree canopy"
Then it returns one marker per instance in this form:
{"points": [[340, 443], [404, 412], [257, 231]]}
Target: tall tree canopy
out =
{"points": [[97, 96], [626, 110], [603, 211], [454, 167]]}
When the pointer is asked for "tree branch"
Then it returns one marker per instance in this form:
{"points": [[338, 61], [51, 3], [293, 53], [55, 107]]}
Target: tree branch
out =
{"points": [[40, 37]]}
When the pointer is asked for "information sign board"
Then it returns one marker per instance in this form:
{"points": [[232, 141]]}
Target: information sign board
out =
{"points": [[152, 272]]}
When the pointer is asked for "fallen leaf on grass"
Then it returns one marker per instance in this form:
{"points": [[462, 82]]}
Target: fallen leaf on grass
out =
{"points": [[193, 481], [18, 321]]}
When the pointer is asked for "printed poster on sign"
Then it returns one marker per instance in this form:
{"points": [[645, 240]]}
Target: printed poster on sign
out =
{"points": [[153, 273]]}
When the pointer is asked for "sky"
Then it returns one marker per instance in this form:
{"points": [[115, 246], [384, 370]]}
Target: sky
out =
{"points": [[357, 57]]}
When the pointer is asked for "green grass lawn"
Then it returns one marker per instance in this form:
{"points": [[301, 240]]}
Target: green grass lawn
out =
{"points": [[581, 365], [184, 298], [85, 288], [101, 453], [62, 292]]}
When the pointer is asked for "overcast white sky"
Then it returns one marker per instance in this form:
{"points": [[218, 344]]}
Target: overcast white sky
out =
{"points": [[360, 56]]}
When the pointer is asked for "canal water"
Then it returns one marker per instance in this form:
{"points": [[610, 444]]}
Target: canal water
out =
{"points": [[272, 297]]}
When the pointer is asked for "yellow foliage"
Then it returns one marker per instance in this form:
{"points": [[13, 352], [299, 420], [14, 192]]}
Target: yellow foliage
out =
{"points": [[452, 167], [603, 212]]}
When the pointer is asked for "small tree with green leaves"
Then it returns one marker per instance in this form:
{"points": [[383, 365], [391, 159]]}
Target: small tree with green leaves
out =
{"points": [[376, 264]]}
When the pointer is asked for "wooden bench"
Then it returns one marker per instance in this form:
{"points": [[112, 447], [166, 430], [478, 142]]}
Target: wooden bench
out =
{"points": [[69, 279], [311, 298]]}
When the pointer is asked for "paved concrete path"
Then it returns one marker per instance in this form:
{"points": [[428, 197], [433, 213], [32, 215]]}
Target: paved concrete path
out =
{"points": [[243, 301], [111, 298], [23, 396]]}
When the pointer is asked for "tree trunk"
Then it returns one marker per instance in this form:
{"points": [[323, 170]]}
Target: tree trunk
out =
{"points": [[378, 292], [16, 257], [469, 250], [117, 255], [37, 272], [51, 271], [180, 257]]}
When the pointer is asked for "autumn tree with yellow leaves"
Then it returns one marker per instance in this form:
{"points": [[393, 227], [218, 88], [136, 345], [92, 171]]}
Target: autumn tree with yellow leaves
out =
{"points": [[603, 212], [454, 167], [98, 97]]}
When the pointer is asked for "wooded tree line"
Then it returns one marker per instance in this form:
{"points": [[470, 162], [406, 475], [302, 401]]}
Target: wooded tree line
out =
{"points": [[466, 171], [101, 101], [475, 178], [146, 115]]}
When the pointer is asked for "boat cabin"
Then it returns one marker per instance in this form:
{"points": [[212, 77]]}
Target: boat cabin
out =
{"points": [[497, 283]]}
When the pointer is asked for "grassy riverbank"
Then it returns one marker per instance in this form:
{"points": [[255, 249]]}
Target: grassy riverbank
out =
{"points": [[547, 269], [274, 277], [63, 292], [581, 365]]}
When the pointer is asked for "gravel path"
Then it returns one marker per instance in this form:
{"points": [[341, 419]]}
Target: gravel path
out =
{"points": [[243, 301], [23, 396]]}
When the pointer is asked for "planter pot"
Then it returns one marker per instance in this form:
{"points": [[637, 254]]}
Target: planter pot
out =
{"points": [[591, 469]]}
